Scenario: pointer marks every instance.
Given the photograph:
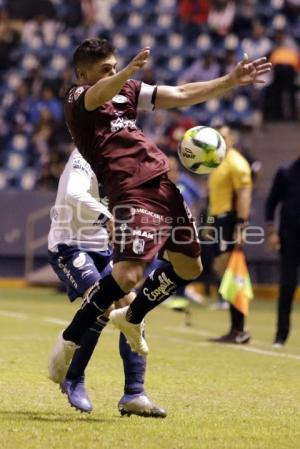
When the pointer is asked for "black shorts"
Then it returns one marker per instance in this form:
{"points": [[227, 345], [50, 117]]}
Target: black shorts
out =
{"points": [[223, 233]]}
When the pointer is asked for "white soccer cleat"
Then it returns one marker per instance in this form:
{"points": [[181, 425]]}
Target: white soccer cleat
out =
{"points": [[61, 358], [132, 332]]}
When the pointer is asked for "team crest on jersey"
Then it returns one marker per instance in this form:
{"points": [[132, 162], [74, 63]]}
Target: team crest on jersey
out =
{"points": [[119, 99], [138, 246], [79, 261], [77, 92]]}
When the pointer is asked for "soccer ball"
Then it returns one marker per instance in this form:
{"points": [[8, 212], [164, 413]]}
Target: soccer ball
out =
{"points": [[201, 149]]}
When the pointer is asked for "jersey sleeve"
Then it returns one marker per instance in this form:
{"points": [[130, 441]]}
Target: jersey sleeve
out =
{"points": [[241, 175], [146, 99], [75, 99], [78, 195]]}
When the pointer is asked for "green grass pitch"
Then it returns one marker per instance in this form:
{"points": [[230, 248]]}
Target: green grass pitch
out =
{"points": [[217, 397]]}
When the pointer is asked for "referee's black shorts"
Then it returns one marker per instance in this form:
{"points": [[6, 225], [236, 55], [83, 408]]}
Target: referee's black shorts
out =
{"points": [[223, 225]]}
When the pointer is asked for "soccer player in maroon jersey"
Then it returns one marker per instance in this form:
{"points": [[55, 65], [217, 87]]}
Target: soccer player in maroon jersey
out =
{"points": [[149, 212]]}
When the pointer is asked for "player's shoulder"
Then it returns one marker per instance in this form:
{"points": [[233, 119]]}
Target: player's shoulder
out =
{"points": [[74, 92], [237, 160], [78, 163]]}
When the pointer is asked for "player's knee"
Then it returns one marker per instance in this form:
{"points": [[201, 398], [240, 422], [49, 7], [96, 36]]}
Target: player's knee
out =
{"points": [[129, 277]]}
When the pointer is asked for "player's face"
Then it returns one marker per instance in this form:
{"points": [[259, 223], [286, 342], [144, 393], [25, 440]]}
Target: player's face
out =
{"points": [[101, 69]]}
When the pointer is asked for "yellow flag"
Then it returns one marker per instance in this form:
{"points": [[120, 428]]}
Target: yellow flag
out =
{"points": [[236, 284]]}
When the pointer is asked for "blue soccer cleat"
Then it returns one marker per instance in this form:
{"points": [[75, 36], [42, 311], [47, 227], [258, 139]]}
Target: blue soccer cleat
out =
{"points": [[77, 394], [140, 404]]}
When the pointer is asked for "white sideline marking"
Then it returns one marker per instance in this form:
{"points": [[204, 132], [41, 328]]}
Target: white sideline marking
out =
{"points": [[181, 340], [50, 319], [264, 352], [238, 347], [18, 316], [23, 316]]}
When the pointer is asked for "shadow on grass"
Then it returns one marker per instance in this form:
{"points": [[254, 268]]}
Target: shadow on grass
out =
{"points": [[53, 417]]}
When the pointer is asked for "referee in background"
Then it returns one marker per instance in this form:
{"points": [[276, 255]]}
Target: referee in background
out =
{"points": [[285, 192], [229, 193]]}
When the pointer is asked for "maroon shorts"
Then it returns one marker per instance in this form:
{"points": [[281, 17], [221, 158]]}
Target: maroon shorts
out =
{"points": [[151, 219]]}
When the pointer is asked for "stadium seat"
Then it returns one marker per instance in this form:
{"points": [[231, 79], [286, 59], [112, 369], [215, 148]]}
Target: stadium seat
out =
{"points": [[56, 65], [63, 43], [19, 143], [29, 62], [147, 40], [240, 110], [169, 6], [203, 43], [175, 43], [4, 179], [16, 162], [28, 179]]}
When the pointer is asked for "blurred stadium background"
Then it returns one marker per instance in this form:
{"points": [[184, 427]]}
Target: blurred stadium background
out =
{"points": [[189, 40]]}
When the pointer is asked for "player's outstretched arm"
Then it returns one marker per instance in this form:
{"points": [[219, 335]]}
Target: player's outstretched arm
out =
{"points": [[106, 88], [244, 74]]}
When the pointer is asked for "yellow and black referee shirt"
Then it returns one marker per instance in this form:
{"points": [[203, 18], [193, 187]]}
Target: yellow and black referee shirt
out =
{"points": [[233, 174]]}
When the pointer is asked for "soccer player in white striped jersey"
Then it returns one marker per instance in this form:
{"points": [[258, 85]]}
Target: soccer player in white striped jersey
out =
{"points": [[80, 255]]}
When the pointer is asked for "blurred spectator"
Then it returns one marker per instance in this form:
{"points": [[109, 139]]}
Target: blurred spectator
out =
{"points": [[45, 129], [155, 126], [193, 14], [51, 171], [189, 189], [49, 101], [203, 69], [20, 113], [178, 124], [27, 9], [292, 9], [257, 44], [221, 16], [285, 58], [246, 11], [41, 30], [10, 31]]}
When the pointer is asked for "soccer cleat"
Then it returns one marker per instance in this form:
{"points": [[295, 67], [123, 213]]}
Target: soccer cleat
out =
{"points": [[140, 404], [132, 332], [219, 305], [234, 337], [60, 358], [77, 394], [278, 343]]}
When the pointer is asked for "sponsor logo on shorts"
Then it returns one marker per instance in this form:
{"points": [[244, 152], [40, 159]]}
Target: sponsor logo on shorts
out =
{"points": [[79, 261], [86, 273], [138, 246], [166, 286], [67, 272], [140, 233]]}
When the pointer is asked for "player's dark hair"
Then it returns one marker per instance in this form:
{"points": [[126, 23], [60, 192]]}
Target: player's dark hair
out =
{"points": [[91, 51]]}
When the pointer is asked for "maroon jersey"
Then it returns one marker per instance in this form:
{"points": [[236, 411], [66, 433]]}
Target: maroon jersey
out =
{"points": [[109, 139]]}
